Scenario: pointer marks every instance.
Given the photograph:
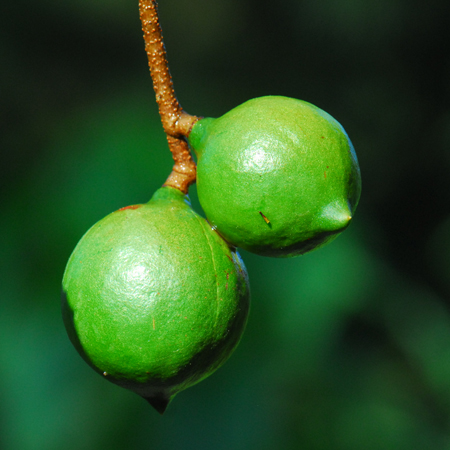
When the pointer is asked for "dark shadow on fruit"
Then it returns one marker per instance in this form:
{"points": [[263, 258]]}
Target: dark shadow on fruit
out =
{"points": [[299, 248], [68, 319]]}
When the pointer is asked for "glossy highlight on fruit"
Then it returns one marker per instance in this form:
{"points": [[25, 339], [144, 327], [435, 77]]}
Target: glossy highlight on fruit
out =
{"points": [[154, 299], [276, 176]]}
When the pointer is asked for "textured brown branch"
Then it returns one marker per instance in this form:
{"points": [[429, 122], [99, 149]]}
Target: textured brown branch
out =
{"points": [[176, 123]]}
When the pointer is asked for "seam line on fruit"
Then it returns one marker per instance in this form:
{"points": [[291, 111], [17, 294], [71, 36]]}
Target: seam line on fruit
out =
{"points": [[215, 270]]}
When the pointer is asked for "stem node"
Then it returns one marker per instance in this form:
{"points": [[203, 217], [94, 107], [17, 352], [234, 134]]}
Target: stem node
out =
{"points": [[177, 123]]}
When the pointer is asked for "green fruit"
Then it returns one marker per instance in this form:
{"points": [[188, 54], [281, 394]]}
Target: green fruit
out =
{"points": [[154, 299], [276, 176]]}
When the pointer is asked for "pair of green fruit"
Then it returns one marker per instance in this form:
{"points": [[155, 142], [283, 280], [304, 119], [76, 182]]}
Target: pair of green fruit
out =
{"points": [[155, 298]]}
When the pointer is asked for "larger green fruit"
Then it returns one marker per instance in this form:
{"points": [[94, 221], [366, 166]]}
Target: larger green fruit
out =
{"points": [[154, 299], [276, 176]]}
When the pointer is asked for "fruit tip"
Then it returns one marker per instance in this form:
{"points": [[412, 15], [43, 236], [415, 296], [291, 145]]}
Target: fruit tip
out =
{"points": [[159, 402], [336, 216]]}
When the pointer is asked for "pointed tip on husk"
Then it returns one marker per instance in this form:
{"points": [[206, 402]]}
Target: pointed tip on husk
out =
{"points": [[336, 217], [159, 402]]}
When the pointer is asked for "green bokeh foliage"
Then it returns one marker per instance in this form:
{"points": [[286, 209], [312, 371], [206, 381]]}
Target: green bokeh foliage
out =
{"points": [[346, 348]]}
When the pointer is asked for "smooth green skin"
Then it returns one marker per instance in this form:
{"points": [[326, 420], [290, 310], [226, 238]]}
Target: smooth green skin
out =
{"points": [[154, 299], [281, 157]]}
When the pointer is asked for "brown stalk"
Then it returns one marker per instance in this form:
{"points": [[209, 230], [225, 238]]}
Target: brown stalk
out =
{"points": [[176, 123]]}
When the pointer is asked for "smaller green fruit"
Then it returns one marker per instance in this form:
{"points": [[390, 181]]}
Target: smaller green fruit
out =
{"points": [[276, 176], [154, 299]]}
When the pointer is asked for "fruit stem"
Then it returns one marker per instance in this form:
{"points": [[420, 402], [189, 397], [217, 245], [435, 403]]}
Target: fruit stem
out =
{"points": [[177, 123]]}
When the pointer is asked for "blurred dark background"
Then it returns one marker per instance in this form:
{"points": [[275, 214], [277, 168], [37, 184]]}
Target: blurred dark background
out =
{"points": [[347, 348]]}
